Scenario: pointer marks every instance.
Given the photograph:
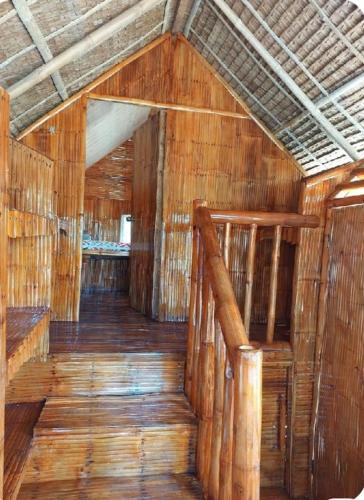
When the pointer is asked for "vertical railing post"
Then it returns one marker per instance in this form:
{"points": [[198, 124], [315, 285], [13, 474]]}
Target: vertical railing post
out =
{"points": [[273, 283], [247, 423], [220, 362], [206, 384], [193, 339], [226, 244], [249, 277], [226, 453]]}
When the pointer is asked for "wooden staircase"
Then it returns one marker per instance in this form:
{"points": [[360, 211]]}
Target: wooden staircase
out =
{"points": [[129, 446]]}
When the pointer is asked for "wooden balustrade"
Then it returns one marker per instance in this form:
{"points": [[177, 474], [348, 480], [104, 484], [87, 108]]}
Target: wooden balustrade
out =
{"points": [[223, 371]]}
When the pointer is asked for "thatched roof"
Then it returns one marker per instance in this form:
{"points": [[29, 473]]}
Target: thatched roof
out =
{"points": [[318, 44]]}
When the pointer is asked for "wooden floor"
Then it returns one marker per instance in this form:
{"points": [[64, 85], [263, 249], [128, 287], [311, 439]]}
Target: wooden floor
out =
{"points": [[108, 324], [167, 486]]}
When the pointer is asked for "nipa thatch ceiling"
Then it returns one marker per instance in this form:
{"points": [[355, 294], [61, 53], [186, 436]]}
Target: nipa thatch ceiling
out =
{"points": [[318, 43]]}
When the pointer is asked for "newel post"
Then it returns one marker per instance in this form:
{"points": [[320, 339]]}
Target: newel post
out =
{"points": [[193, 338], [247, 423]]}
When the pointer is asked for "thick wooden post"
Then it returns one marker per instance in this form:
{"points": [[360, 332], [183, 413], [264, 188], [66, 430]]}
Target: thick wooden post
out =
{"points": [[249, 277], [4, 148], [273, 283], [247, 423], [192, 319]]}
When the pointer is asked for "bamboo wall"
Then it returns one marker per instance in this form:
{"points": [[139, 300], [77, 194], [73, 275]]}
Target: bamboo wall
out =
{"points": [[305, 300], [30, 257], [62, 138], [144, 206], [168, 70], [231, 164], [4, 152], [339, 435]]}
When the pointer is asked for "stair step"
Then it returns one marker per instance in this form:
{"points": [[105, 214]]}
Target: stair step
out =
{"points": [[19, 423], [95, 374], [112, 436], [176, 486]]}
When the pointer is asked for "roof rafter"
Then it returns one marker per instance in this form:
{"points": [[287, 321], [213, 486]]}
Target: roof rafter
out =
{"points": [[329, 128], [301, 65], [85, 45], [36, 35]]}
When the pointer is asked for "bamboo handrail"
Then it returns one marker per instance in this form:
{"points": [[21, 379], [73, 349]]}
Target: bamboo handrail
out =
{"points": [[283, 219], [223, 371], [227, 309]]}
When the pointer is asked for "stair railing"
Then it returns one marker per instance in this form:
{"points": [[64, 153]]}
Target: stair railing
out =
{"points": [[224, 371]]}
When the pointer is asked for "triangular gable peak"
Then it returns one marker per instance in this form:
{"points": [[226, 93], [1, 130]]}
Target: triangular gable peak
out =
{"points": [[168, 72]]}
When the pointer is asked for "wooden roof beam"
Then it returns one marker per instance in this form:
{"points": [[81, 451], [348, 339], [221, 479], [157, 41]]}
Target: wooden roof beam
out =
{"points": [[88, 43], [324, 123], [40, 43]]}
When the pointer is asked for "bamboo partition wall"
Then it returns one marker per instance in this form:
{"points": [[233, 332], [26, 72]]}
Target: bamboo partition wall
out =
{"points": [[304, 324], [4, 152], [62, 138], [144, 207], [31, 227], [339, 408]]}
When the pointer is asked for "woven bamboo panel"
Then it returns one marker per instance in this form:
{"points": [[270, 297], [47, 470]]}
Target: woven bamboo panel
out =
{"points": [[62, 138], [111, 177], [231, 164], [4, 150], [31, 226], [339, 439], [146, 143], [304, 328], [30, 180]]}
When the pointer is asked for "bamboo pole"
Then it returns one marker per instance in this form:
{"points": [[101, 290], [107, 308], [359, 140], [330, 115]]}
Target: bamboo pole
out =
{"points": [[321, 325], [206, 386], [249, 277], [164, 105], [247, 424], [193, 303], [198, 326], [273, 283], [264, 218], [226, 453], [226, 244], [226, 306], [219, 374]]}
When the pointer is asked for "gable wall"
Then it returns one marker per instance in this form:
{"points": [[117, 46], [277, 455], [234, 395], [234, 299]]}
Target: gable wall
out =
{"points": [[169, 72]]}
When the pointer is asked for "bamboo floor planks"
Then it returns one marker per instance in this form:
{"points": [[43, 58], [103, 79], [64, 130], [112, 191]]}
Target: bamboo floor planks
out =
{"points": [[19, 422], [176, 486], [109, 324]]}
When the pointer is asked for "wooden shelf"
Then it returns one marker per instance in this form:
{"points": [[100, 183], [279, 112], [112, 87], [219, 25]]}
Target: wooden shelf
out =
{"points": [[20, 420], [27, 336], [26, 224]]}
